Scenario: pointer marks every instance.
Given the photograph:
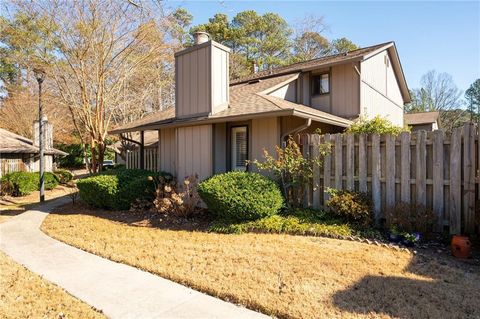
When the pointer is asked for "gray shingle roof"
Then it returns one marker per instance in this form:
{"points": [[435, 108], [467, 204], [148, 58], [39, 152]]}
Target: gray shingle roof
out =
{"points": [[246, 97], [13, 143], [420, 118]]}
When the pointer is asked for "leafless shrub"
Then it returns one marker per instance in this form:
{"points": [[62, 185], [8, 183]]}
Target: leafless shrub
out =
{"points": [[178, 199]]}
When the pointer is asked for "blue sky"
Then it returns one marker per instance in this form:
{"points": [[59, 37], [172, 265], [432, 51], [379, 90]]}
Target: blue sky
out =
{"points": [[441, 35]]}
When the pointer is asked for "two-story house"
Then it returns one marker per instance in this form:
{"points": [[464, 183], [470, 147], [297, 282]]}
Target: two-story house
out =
{"points": [[216, 125]]}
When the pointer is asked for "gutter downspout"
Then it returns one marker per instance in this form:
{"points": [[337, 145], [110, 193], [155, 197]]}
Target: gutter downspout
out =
{"points": [[302, 127]]}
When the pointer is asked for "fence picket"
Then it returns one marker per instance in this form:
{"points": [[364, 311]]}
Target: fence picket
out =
{"points": [[316, 172], [405, 167], [421, 168], [306, 152], [376, 191], [350, 160], [327, 164], [390, 171], [438, 186], [338, 161], [455, 181], [362, 163], [469, 177], [443, 172]]}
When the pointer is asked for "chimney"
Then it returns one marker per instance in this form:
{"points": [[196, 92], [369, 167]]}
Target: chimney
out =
{"points": [[200, 37], [201, 78], [48, 133]]}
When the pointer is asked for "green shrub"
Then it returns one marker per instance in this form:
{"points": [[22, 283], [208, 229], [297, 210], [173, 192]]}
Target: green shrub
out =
{"points": [[241, 196], [64, 176], [51, 180], [298, 222], [376, 125], [74, 159], [117, 189], [24, 183], [350, 205]]}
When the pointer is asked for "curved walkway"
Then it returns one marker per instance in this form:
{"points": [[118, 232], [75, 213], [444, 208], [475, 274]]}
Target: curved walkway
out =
{"points": [[120, 291]]}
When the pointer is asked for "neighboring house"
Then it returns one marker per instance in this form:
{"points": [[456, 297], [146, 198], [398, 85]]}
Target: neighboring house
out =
{"points": [[428, 121], [133, 144], [217, 125], [18, 153]]}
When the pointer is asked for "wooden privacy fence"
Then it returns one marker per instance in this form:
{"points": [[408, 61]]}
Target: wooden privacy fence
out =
{"points": [[11, 165], [150, 159], [426, 169]]}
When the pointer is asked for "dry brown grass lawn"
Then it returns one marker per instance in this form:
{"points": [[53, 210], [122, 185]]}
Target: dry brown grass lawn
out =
{"points": [[24, 294], [281, 275], [11, 206]]}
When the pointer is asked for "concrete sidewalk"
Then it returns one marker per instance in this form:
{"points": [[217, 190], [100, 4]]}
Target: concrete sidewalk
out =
{"points": [[120, 291]]}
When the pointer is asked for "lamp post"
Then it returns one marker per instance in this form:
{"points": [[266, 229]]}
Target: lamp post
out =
{"points": [[40, 76]]}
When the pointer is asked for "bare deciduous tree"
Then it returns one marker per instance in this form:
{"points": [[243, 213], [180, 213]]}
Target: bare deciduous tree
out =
{"points": [[109, 62]]}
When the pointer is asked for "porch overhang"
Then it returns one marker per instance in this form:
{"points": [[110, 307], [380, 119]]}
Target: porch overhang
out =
{"points": [[173, 123]]}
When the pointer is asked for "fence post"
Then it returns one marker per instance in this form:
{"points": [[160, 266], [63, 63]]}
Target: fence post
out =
{"points": [[376, 191]]}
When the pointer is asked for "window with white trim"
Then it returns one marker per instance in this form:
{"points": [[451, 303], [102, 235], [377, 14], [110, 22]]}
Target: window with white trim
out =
{"points": [[239, 148]]}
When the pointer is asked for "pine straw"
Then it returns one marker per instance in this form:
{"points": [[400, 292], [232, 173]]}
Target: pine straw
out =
{"points": [[282, 275], [24, 294]]}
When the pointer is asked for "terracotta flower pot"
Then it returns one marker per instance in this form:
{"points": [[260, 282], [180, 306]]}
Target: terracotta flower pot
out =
{"points": [[461, 246]]}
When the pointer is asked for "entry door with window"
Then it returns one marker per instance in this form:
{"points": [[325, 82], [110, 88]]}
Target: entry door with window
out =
{"points": [[239, 144]]}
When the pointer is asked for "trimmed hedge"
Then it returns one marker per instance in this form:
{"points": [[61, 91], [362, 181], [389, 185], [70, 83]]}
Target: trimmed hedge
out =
{"points": [[117, 189], [24, 183], [64, 176], [241, 196]]}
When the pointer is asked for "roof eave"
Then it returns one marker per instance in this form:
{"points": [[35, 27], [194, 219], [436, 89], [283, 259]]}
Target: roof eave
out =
{"points": [[333, 120]]}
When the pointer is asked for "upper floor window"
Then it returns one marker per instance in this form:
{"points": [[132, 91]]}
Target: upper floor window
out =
{"points": [[320, 84]]}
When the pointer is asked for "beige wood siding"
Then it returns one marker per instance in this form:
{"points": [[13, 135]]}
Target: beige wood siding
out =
{"points": [[265, 134], [220, 79], [344, 97], [192, 78], [287, 92], [220, 147], [194, 151], [305, 92], [202, 77], [380, 92], [322, 102], [167, 150], [345, 90]]}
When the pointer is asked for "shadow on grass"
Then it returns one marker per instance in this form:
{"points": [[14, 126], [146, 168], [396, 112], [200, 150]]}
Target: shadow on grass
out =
{"points": [[448, 289], [141, 218]]}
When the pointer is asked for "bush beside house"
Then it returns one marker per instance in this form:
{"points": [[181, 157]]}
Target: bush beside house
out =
{"points": [[117, 189], [241, 196], [24, 183]]}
